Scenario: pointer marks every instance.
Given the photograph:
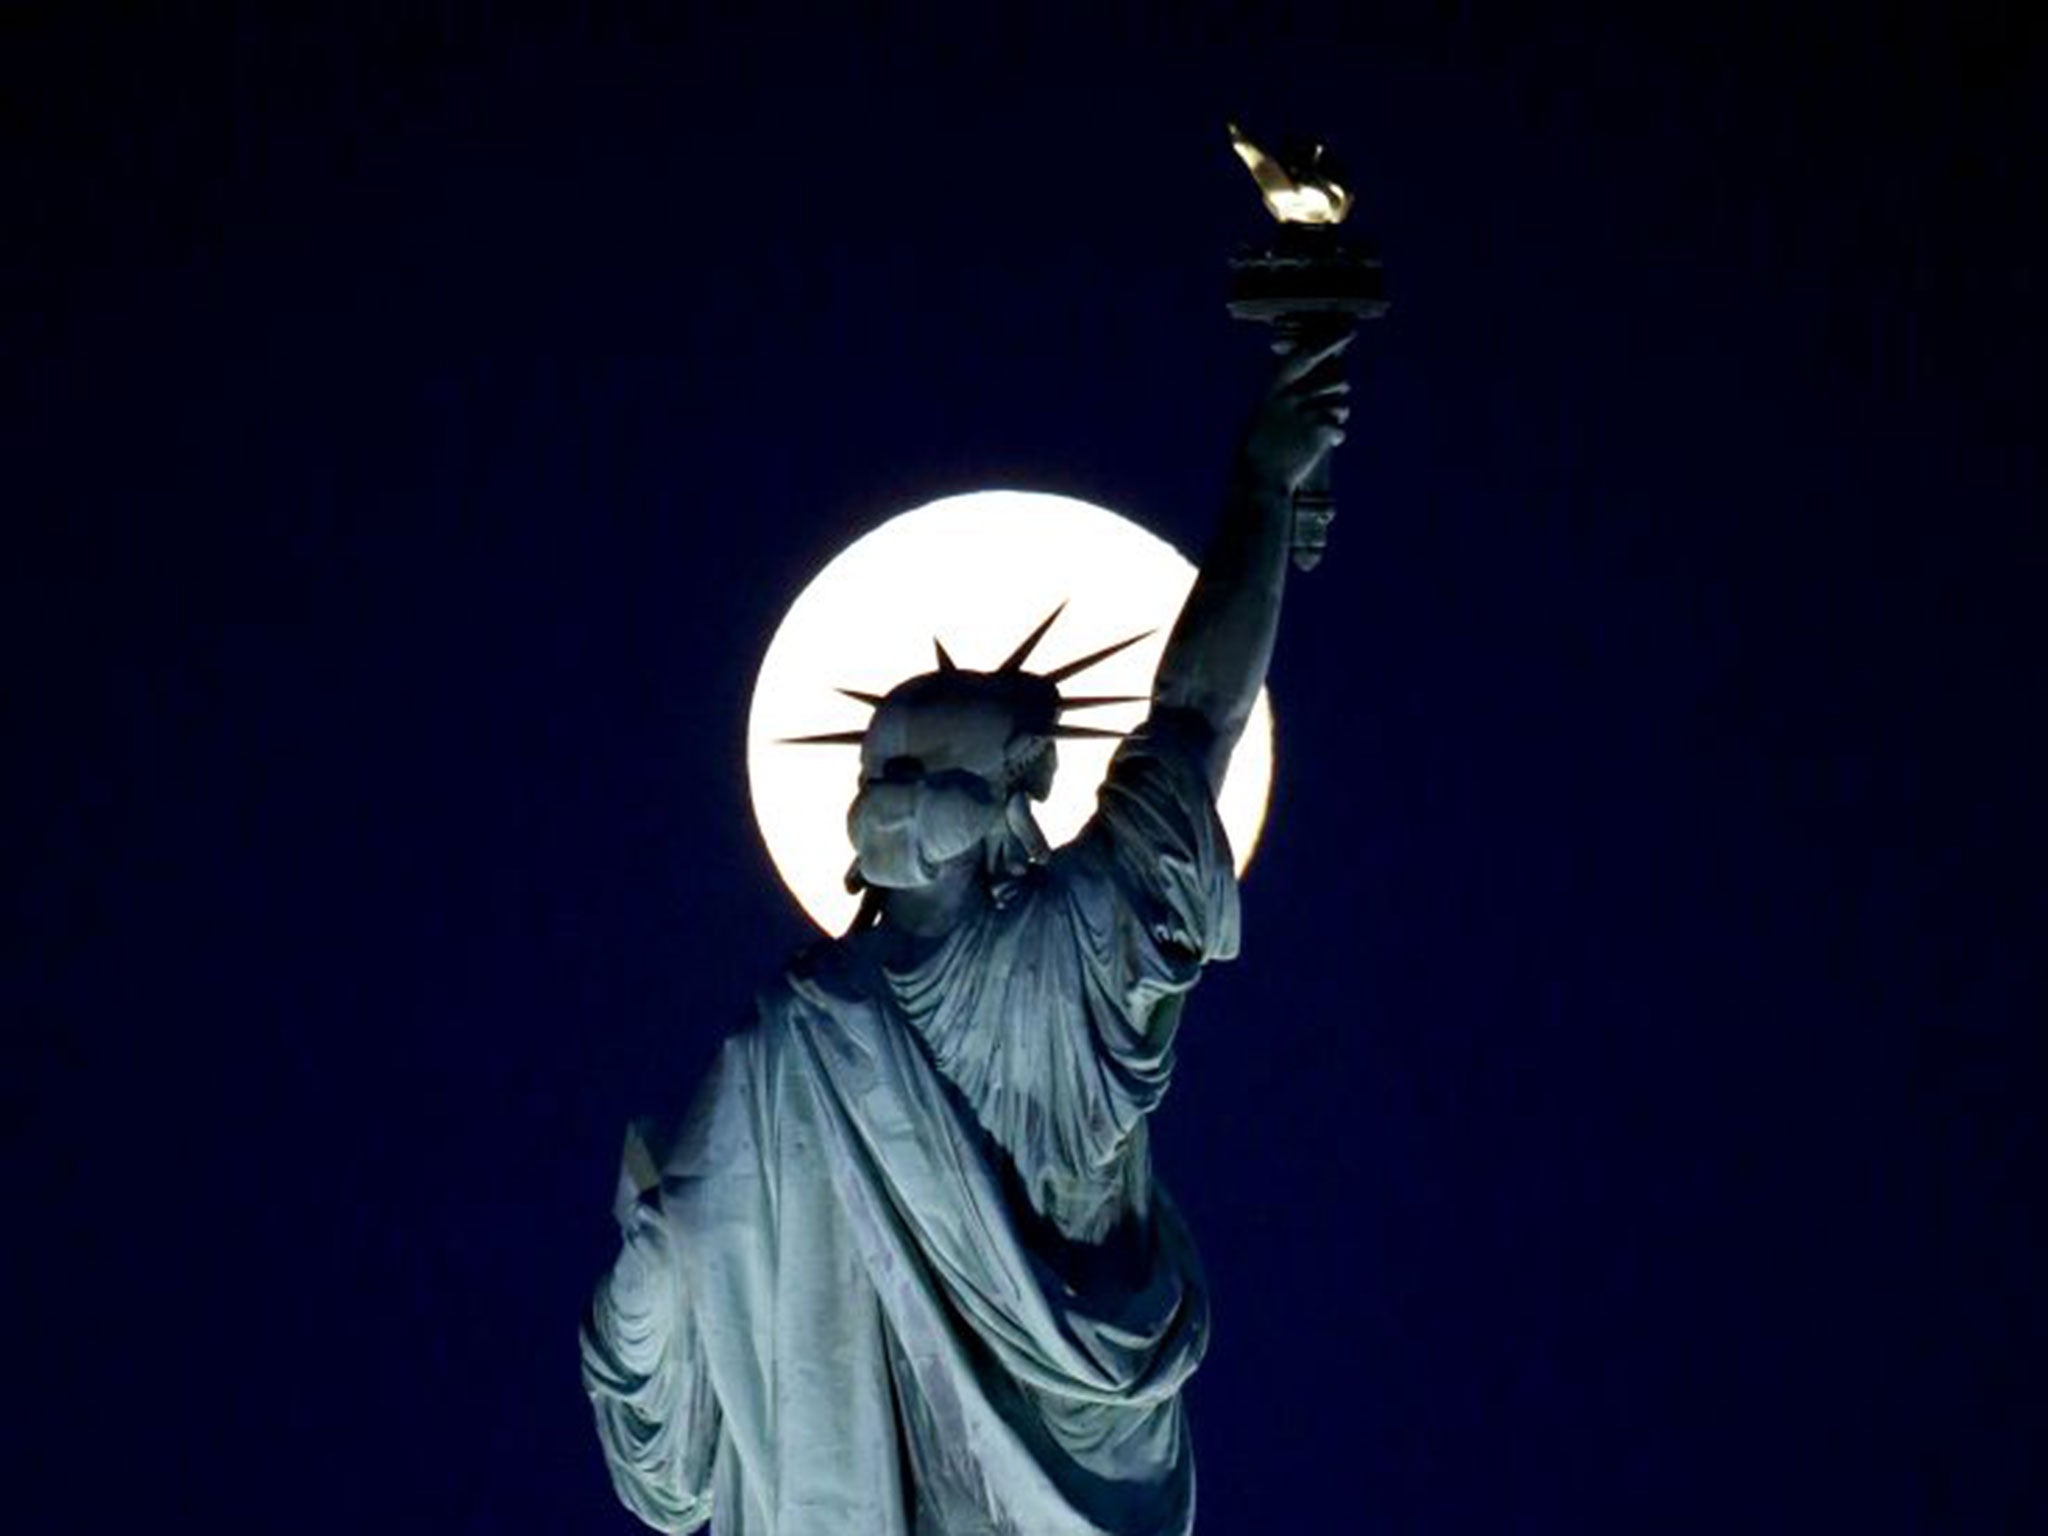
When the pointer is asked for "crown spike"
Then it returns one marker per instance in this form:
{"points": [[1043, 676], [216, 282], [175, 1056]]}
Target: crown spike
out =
{"points": [[828, 739], [945, 662], [1019, 656], [1061, 674], [872, 700]]}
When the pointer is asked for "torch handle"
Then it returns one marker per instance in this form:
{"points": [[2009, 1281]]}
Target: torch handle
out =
{"points": [[1314, 508]]}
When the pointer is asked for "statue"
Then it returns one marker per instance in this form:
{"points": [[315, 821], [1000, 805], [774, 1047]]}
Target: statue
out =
{"points": [[905, 1271]]}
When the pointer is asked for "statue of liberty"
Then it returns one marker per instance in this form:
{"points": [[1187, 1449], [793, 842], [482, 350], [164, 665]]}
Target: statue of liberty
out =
{"points": [[905, 1270]]}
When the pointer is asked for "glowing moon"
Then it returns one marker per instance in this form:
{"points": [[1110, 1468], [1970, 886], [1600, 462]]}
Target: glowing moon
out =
{"points": [[978, 572]]}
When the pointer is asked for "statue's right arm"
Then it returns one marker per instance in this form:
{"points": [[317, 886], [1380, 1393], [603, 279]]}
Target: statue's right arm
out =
{"points": [[1222, 644]]}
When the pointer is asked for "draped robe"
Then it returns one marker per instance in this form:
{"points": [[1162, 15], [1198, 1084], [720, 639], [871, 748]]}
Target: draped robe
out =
{"points": [[907, 1272]]}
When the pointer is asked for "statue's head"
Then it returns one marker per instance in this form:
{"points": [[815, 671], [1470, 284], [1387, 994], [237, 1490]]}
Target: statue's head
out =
{"points": [[951, 763], [949, 767]]}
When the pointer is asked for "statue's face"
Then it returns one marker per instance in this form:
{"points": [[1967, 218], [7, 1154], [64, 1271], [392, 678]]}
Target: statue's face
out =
{"points": [[937, 772], [909, 826]]}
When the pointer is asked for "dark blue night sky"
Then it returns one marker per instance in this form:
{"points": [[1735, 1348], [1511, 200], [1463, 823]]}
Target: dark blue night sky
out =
{"points": [[1622, 1117]]}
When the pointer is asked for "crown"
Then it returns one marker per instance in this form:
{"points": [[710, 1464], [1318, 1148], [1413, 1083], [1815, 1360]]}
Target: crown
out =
{"points": [[1005, 681]]}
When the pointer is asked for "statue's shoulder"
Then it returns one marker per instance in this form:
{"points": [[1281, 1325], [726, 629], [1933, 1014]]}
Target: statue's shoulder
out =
{"points": [[824, 976], [827, 996]]}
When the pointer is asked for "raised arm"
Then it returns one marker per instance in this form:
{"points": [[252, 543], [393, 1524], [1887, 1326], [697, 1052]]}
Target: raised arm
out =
{"points": [[1216, 659]]}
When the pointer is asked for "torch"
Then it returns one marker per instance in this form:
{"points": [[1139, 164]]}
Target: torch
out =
{"points": [[1310, 285]]}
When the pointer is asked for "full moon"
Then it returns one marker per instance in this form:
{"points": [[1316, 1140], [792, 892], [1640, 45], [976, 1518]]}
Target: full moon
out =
{"points": [[977, 573]]}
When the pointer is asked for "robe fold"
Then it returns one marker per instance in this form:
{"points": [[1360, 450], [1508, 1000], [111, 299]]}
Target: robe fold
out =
{"points": [[908, 1272]]}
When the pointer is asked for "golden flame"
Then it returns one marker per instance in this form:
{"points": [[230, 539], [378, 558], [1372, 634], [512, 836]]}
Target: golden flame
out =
{"points": [[1298, 195]]}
